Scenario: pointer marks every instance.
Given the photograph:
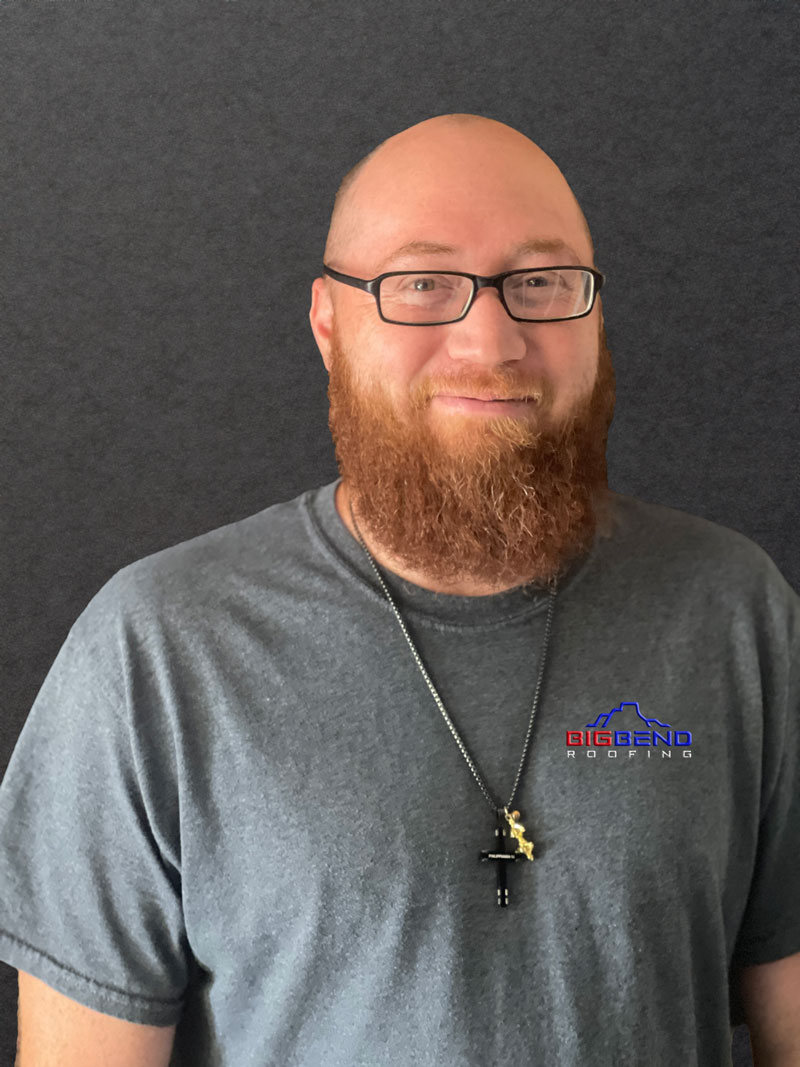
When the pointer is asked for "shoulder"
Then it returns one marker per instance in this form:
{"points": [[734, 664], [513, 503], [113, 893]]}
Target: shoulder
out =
{"points": [[670, 540], [196, 578]]}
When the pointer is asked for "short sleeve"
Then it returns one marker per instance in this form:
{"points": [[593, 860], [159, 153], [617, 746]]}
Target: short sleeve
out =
{"points": [[770, 928], [90, 890]]}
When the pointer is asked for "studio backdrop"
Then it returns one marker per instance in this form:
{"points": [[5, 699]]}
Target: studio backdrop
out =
{"points": [[167, 177]]}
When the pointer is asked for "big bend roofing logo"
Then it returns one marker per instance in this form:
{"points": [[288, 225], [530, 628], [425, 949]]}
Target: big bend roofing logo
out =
{"points": [[658, 739]]}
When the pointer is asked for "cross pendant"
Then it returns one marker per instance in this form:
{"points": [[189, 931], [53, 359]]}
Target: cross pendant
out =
{"points": [[501, 857]]}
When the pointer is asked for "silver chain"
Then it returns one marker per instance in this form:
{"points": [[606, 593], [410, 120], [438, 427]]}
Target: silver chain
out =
{"points": [[548, 625]]}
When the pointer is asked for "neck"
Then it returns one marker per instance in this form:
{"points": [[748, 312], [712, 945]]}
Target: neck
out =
{"points": [[459, 588]]}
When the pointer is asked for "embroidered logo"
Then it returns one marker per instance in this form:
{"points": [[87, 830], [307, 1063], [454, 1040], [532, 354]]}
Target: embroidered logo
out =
{"points": [[627, 733]]}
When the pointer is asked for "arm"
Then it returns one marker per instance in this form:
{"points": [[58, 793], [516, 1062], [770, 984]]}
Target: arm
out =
{"points": [[56, 1030], [770, 997]]}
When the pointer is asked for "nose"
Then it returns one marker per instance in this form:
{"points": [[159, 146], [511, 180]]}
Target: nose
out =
{"points": [[488, 334]]}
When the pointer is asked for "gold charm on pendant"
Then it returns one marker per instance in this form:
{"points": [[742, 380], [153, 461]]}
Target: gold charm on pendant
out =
{"points": [[518, 833]]}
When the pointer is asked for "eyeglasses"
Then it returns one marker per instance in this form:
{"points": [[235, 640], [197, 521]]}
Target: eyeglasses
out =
{"points": [[431, 298]]}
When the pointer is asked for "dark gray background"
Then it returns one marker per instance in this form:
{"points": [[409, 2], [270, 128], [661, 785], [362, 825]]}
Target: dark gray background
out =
{"points": [[168, 171]]}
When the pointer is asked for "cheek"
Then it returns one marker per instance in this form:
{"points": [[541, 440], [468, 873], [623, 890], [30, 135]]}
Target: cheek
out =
{"points": [[402, 365], [572, 365], [579, 353]]}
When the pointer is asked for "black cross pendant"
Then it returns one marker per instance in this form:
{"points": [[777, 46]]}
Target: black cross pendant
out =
{"points": [[501, 856]]}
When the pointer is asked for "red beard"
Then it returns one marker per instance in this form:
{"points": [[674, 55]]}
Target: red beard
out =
{"points": [[498, 502]]}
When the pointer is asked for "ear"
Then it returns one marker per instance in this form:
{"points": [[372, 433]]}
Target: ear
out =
{"points": [[321, 318]]}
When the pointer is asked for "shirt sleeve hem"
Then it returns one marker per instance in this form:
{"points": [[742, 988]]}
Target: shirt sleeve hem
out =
{"points": [[131, 1007], [768, 950]]}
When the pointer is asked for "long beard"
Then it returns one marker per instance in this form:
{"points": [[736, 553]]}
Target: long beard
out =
{"points": [[499, 502]]}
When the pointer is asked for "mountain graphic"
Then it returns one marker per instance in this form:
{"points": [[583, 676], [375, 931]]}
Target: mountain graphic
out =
{"points": [[604, 718]]}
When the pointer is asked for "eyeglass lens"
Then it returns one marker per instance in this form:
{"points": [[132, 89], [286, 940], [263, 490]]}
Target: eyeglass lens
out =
{"points": [[538, 295]]}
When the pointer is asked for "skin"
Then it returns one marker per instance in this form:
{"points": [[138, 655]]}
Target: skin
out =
{"points": [[460, 502]]}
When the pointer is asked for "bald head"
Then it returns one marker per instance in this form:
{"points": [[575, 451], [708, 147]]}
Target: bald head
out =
{"points": [[442, 166]]}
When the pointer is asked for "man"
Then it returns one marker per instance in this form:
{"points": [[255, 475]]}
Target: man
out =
{"points": [[460, 759]]}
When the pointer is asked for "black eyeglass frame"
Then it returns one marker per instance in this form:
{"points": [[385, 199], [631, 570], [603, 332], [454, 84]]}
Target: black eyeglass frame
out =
{"points": [[479, 281]]}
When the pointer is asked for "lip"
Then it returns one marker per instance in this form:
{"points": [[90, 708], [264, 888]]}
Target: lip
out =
{"points": [[495, 408]]}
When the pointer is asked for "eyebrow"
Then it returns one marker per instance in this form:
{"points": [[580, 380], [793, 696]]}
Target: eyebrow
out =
{"points": [[534, 246]]}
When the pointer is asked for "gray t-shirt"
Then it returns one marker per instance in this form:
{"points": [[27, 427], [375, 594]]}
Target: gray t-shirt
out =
{"points": [[236, 804]]}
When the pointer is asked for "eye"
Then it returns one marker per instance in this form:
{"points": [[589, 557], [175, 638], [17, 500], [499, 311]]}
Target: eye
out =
{"points": [[527, 281], [430, 283]]}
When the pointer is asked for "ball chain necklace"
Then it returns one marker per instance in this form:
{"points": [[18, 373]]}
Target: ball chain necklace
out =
{"points": [[499, 853]]}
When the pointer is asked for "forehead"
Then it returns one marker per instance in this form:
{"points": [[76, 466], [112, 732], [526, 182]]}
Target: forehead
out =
{"points": [[489, 213], [530, 248]]}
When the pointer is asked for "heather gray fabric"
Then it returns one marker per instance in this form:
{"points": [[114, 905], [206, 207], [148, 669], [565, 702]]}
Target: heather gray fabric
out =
{"points": [[235, 798]]}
